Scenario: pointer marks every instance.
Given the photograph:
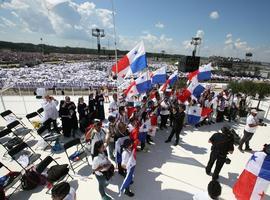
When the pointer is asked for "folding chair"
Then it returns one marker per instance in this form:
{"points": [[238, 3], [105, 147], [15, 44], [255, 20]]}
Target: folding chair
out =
{"points": [[44, 164], [32, 118], [19, 129], [75, 164], [40, 111], [5, 137], [9, 116], [22, 149], [48, 136], [11, 181]]}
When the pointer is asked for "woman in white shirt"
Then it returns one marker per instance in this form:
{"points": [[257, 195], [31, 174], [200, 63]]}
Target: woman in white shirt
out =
{"points": [[101, 164]]}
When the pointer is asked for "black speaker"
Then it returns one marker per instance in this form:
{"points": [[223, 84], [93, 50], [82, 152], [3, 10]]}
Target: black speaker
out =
{"points": [[189, 63]]}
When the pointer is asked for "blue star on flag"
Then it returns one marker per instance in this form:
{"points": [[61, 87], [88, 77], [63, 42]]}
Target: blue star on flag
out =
{"points": [[135, 52], [253, 157]]}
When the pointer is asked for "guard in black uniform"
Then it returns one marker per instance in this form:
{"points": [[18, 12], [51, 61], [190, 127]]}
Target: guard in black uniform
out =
{"points": [[177, 123], [222, 144]]}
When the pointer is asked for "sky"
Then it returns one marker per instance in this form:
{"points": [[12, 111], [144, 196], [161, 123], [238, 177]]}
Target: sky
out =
{"points": [[227, 27]]}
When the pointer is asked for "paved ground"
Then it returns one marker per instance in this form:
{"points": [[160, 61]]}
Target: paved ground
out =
{"points": [[165, 172]]}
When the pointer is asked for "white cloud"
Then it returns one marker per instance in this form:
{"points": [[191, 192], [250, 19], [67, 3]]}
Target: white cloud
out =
{"points": [[200, 33], [228, 35], [187, 45], [152, 42], [159, 25], [62, 18], [7, 22], [214, 15]]}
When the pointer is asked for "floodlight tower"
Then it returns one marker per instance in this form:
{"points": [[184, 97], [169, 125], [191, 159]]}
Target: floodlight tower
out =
{"points": [[98, 33], [196, 41]]}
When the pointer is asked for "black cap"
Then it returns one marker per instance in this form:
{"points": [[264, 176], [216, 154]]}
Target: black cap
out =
{"points": [[226, 129]]}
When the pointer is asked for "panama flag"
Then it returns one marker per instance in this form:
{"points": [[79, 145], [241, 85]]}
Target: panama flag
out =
{"points": [[143, 82], [195, 89], [171, 80], [141, 85], [133, 62], [197, 114], [255, 178], [202, 74], [159, 76], [130, 171], [131, 90]]}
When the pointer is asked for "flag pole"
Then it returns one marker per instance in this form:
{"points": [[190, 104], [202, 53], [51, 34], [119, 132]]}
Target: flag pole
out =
{"points": [[115, 47]]}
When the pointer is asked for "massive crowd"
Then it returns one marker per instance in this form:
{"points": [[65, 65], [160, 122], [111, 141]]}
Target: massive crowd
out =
{"points": [[132, 125], [77, 75]]}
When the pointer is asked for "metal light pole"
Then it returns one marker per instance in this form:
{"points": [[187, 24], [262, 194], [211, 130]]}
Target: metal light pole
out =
{"points": [[115, 45], [98, 33], [42, 49]]}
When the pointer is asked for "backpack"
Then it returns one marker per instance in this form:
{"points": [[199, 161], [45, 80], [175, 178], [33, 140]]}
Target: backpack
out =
{"points": [[30, 180], [56, 172]]}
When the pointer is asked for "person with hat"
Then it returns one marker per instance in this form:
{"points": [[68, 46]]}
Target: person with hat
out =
{"points": [[250, 128], [222, 144]]}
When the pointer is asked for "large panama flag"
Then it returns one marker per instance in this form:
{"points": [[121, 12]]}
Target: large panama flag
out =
{"points": [[134, 61]]}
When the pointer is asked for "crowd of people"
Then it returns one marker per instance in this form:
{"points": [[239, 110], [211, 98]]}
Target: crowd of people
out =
{"points": [[66, 75], [132, 124]]}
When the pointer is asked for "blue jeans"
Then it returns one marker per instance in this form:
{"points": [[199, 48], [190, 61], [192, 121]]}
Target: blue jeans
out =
{"points": [[102, 184]]}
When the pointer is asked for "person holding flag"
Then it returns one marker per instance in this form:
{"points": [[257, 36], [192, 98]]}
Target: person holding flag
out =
{"points": [[128, 164]]}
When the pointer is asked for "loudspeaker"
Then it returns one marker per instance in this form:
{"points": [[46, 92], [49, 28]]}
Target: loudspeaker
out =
{"points": [[189, 63]]}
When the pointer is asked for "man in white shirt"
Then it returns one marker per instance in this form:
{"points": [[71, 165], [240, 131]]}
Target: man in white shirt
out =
{"points": [[50, 110], [164, 113], [113, 107], [250, 128]]}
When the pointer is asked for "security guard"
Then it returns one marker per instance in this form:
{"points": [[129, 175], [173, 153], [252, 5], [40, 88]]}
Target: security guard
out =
{"points": [[222, 144]]}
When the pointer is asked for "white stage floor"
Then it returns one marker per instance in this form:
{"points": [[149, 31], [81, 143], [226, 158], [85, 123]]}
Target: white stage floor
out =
{"points": [[165, 172]]}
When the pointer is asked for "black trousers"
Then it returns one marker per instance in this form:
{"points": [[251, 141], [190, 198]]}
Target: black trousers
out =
{"points": [[220, 116], [175, 132], [219, 159], [164, 119], [67, 126], [55, 127], [245, 139]]}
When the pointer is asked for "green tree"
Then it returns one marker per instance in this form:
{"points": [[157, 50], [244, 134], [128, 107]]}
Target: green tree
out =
{"points": [[263, 90]]}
